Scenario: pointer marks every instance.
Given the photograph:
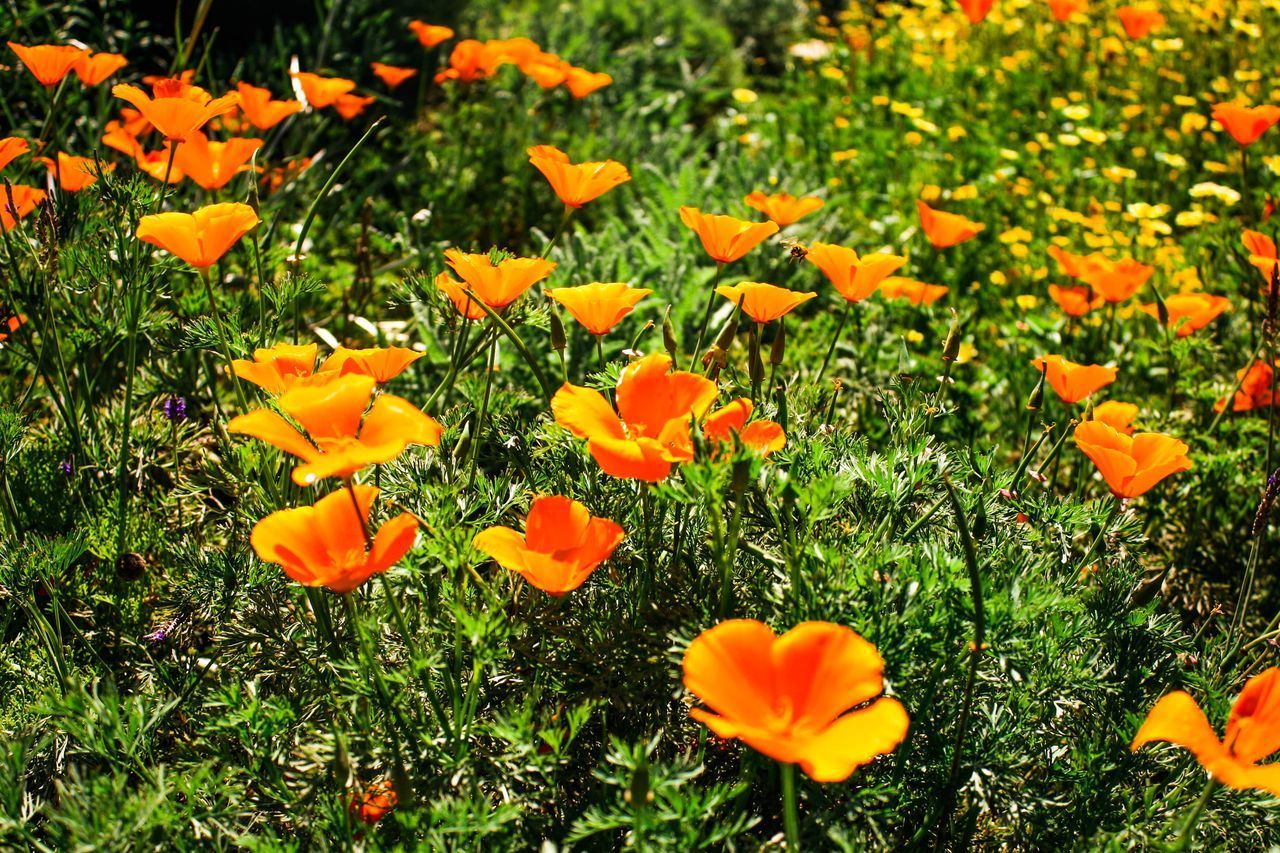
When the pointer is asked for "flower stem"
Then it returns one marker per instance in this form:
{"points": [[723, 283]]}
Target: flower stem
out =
{"points": [[706, 317], [790, 814], [835, 339], [1189, 828]]}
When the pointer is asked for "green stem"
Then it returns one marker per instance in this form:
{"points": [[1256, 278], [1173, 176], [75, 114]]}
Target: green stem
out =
{"points": [[484, 411], [706, 317], [1189, 828], [790, 814], [564, 222], [835, 339]]}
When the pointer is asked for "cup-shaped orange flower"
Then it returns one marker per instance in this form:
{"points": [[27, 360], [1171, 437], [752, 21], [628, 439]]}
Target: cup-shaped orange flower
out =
{"points": [[1117, 415], [468, 307], [320, 92], [349, 106], [562, 545], [340, 437], [277, 369], [325, 544], [763, 302], [1114, 280], [75, 173], [262, 111], [469, 61], [1139, 21], [11, 148], [600, 305], [1062, 10], [575, 184], [730, 421], [49, 63], [1255, 389], [854, 277], [382, 363], [176, 108], [24, 200], [199, 238], [547, 74], [392, 75], [1262, 253], [783, 209], [1071, 381], [787, 696], [1076, 301], [726, 238], [1131, 464], [580, 82], [430, 35], [212, 165], [157, 163], [976, 10], [915, 292], [1246, 124], [1190, 312], [93, 68], [946, 229], [1252, 734], [497, 285]]}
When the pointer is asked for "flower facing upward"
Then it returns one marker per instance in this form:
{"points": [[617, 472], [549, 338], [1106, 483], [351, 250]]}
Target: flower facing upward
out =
{"points": [[212, 165], [277, 369], [497, 285], [1131, 465], [1073, 382], [854, 277], [786, 697], [93, 68], [382, 363], [11, 148], [259, 108], [1254, 391], [600, 305], [946, 229], [580, 82], [1062, 10], [782, 209], [325, 544], [1076, 301], [343, 439], [321, 92], [24, 200], [176, 109], [1189, 312], [976, 10], [1139, 21], [763, 302], [1262, 253], [576, 184], [49, 63], [726, 238], [561, 546], [74, 173], [430, 35], [199, 238], [915, 292], [392, 75], [1117, 415], [1246, 124], [1253, 733]]}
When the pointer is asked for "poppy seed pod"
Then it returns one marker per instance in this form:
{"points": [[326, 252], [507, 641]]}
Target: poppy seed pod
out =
{"points": [[1036, 400], [669, 340], [951, 347], [1162, 310], [558, 338], [779, 349]]}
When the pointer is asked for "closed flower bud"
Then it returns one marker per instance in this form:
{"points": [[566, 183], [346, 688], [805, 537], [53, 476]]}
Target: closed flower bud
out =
{"points": [[558, 339], [951, 348], [779, 349], [1036, 400], [669, 340]]}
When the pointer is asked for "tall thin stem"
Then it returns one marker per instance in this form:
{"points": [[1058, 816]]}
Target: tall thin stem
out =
{"points": [[835, 339], [790, 814], [706, 317]]}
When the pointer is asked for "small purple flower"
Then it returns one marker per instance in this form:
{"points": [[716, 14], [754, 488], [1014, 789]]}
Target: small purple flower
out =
{"points": [[175, 408], [65, 466]]}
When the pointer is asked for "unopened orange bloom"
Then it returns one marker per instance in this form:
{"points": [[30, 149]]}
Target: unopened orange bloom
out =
{"points": [[580, 82], [24, 200], [786, 697], [1262, 253], [1062, 10], [470, 61], [277, 369], [212, 165], [261, 110], [11, 148], [93, 68], [430, 35], [177, 109], [726, 238], [1076, 301], [763, 302], [562, 545], [325, 544], [783, 208], [915, 292], [1189, 312], [321, 92], [392, 75], [1256, 383], [467, 306], [1115, 280], [1131, 465], [374, 802], [1139, 21], [74, 173], [1073, 382], [343, 439], [762, 437], [382, 363], [600, 305], [1246, 124], [497, 286], [946, 229], [1253, 733], [349, 106], [854, 277], [576, 184], [1117, 415], [976, 10], [49, 63], [199, 238]]}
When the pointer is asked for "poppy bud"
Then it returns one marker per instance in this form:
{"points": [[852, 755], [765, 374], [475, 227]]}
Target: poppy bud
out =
{"points": [[638, 794], [463, 446], [779, 348], [951, 347], [1162, 310], [756, 367], [558, 339], [669, 340], [780, 400], [1036, 400], [741, 469], [730, 331]]}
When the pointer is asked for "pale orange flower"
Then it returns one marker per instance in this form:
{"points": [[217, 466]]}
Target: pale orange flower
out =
{"points": [[1062, 10], [580, 82], [74, 173], [1189, 312], [1131, 465], [726, 238], [1117, 415], [915, 292], [1262, 253], [946, 229], [24, 200], [1139, 21], [279, 368], [199, 238], [763, 302], [261, 110], [212, 165], [321, 92], [157, 163], [382, 363], [470, 61], [730, 421], [11, 148], [600, 305], [430, 35], [1073, 382], [1076, 301], [497, 285], [392, 75], [468, 307], [576, 184], [176, 109], [1255, 391], [48, 63], [562, 545], [855, 278], [1246, 124], [93, 68], [349, 106], [783, 209], [548, 73]]}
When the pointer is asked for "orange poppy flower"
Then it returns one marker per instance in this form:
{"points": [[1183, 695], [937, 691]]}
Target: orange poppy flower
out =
{"points": [[1256, 382], [762, 437], [855, 278], [946, 229], [1253, 733], [177, 109], [1073, 382], [350, 106], [320, 92], [382, 363], [1262, 253], [600, 305], [430, 35], [374, 802], [576, 184], [519, 51], [280, 175], [343, 439], [1131, 465], [1117, 415], [976, 10], [497, 286], [763, 302], [1076, 301], [392, 75], [1246, 124], [325, 544], [782, 209], [25, 199], [199, 238], [1139, 21], [469, 61], [1189, 312], [726, 238], [915, 292], [212, 165], [74, 173], [1114, 280], [468, 307], [11, 148], [157, 165], [562, 545], [549, 73], [786, 697], [261, 110], [580, 82], [1062, 10], [49, 63], [93, 68], [277, 369]]}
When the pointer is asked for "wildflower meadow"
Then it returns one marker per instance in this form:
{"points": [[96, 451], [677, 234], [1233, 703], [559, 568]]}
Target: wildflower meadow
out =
{"points": [[600, 424]]}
